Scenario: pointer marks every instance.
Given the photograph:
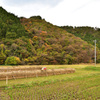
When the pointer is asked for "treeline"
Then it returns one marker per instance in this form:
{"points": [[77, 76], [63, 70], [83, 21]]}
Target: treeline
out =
{"points": [[39, 42], [10, 26], [88, 34]]}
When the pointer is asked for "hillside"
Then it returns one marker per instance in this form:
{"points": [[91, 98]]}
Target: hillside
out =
{"points": [[86, 33], [55, 45], [10, 26], [35, 41]]}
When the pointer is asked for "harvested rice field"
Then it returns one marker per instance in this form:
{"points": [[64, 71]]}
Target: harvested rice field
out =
{"points": [[15, 73], [84, 84]]}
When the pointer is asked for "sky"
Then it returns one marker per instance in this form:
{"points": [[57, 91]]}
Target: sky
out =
{"points": [[57, 12]]}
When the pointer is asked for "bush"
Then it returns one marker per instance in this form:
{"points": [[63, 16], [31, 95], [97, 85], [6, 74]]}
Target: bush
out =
{"points": [[12, 61], [11, 35], [36, 17], [2, 58], [2, 55]]}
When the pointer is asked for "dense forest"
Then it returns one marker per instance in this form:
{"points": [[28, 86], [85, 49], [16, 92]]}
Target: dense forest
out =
{"points": [[88, 34], [35, 41]]}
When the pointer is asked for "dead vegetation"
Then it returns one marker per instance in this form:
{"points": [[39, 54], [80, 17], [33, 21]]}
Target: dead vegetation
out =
{"points": [[25, 72]]}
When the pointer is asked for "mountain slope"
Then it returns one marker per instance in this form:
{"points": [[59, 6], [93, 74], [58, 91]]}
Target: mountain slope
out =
{"points": [[55, 45], [88, 34], [35, 41], [10, 26]]}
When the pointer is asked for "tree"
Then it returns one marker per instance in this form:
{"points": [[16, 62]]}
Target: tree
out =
{"points": [[12, 60], [11, 35], [2, 55]]}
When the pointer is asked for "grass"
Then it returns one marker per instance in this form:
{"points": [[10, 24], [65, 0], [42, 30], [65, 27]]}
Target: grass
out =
{"points": [[92, 68], [83, 84]]}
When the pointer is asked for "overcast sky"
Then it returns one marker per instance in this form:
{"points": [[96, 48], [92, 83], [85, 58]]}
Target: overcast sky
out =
{"points": [[58, 12]]}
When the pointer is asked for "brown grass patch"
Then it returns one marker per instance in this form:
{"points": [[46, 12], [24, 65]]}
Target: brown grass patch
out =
{"points": [[15, 73]]}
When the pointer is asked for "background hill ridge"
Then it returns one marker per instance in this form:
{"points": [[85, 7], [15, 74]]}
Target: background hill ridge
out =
{"points": [[35, 41]]}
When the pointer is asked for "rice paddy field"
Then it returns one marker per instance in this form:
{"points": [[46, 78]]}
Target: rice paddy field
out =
{"points": [[84, 84]]}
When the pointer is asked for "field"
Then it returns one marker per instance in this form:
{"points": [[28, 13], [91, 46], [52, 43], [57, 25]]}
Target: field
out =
{"points": [[84, 84]]}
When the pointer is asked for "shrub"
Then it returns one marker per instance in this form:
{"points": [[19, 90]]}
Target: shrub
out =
{"points": [[36, 17], [2, 58], [11, 35], [12, 60], [2, 55]]}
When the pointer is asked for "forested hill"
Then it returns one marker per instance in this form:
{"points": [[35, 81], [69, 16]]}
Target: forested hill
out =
{"points": [[88, 34], [10, 26], [35, 41]]}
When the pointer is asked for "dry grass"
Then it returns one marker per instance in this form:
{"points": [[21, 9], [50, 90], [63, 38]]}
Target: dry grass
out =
{"points": [[19, 68], [79, 72], [16, 73]]}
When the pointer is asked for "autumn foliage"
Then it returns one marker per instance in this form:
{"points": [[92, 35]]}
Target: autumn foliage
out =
{"points": [[35, 41]]}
